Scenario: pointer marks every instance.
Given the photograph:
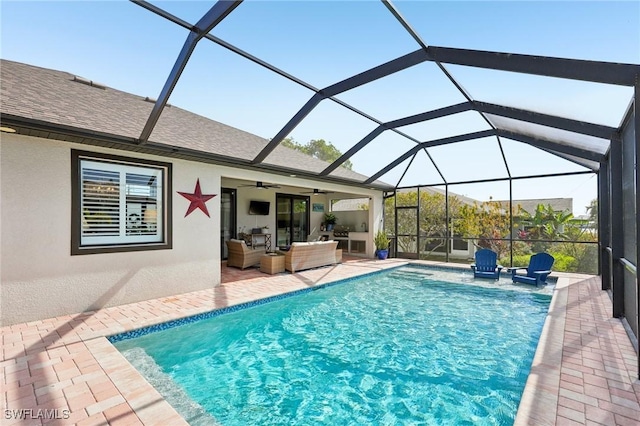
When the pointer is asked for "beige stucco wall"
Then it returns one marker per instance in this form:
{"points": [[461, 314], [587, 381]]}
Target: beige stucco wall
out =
{"points": [[40, 278]]}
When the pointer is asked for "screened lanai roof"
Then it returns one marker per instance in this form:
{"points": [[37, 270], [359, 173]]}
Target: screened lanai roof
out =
{"points": [[404, 111]]}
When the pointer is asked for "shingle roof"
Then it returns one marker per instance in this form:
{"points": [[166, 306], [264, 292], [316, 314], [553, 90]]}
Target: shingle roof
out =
{"points": [[54, 97], [463, 198], [530, 205]]}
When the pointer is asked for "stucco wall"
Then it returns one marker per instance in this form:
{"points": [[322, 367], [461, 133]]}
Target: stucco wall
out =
{"points": [[40, 278]]}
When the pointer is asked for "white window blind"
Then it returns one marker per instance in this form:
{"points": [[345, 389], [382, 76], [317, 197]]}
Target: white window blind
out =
{"points": [[120, 203]]}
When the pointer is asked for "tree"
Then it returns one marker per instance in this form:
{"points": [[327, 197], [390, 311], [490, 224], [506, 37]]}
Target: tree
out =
{"points": [[318, 148], [406, 222], [585, 255], [592, 209], [486, 223], [431, 221], [544, 224]]}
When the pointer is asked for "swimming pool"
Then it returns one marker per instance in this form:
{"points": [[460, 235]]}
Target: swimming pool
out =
{"points": [[403, 346]]}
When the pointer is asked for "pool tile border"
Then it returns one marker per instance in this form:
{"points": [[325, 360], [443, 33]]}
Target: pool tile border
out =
{"points": [[143, 331]]}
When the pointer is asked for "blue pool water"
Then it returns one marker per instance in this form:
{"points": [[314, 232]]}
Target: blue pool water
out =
{"points": [[398, 347]]}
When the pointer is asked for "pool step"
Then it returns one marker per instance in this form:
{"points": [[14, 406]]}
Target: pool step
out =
{"points": [[190, 410], [410, 273]]}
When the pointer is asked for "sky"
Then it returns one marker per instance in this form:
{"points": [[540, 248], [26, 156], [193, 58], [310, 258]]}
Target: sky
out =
{"points": [[128, 48]]}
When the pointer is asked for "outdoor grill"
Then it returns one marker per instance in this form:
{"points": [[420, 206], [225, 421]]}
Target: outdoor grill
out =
{"points": [[341, 231]]}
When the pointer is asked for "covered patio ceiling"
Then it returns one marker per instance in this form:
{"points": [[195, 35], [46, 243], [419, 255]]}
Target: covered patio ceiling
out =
{"points": [[584, 144], [319, 191]]}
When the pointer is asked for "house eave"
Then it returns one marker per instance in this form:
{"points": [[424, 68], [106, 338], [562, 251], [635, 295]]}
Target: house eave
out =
{"points": [[47, 130]]}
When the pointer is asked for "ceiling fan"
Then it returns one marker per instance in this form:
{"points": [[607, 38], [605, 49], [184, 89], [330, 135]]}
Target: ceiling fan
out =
{"points": [[317, 192], [260, 185]]}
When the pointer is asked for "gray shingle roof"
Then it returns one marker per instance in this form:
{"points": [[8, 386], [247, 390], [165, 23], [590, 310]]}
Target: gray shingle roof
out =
{"points": [[463, 198], [530, 205], [54, 97]]}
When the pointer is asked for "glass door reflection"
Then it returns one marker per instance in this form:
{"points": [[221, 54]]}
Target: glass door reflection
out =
{"points": [[292, 212], [227, 219]]}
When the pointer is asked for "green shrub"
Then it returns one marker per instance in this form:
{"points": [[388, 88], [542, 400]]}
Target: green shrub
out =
{"points": [[381, 241], [518, 260], [330, 218], [585, 255], [563, 262]]}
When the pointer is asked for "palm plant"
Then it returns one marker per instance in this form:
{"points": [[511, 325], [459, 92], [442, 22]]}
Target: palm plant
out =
{"points": [[544, 224]]}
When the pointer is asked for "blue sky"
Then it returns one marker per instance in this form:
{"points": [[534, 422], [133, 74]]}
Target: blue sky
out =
{"points": [[127, 48]]}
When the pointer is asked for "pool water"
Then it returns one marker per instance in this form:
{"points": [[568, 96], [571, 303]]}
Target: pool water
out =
{"points": [[392, 348]]}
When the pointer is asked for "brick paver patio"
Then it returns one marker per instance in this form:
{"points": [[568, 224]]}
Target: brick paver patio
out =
{"points": [[584, 371]]}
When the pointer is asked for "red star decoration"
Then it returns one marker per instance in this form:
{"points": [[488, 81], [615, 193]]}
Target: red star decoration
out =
{"points": [[197, 199]]}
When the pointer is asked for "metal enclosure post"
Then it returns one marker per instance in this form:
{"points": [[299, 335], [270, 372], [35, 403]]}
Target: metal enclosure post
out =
{"points": [[604, 223], [213, 17], [446, 219], [617, 230], [395, 217], [511, 222], [636, 123], [418, 221]]}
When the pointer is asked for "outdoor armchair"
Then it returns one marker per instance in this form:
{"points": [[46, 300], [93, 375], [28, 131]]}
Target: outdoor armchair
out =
{"points": [[486, 265], [539, 268], [242, 256]]}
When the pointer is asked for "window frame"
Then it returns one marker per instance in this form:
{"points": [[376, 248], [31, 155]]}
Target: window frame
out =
{"points": [[77, 247]]}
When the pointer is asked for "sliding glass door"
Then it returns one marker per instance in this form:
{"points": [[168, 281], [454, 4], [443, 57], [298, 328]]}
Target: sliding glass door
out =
{"points": [[292, 217], [227, 219]]}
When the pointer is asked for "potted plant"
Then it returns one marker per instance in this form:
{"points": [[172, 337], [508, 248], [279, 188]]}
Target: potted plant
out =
{"points": [[382, 245], [330, 219], [265, 229]]}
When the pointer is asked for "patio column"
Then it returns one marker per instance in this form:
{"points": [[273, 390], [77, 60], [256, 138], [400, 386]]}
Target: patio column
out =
{"points": [[604, 224], [616, 226]]}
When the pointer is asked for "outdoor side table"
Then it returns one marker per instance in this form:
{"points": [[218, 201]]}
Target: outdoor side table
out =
{"points": [[272, 263]]}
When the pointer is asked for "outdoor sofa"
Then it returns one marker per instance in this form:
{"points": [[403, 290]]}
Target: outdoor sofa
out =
{"points": [[310, 255]]}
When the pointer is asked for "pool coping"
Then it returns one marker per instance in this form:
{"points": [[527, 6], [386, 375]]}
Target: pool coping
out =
{"points": [[539, 401], [540, 354], [68, 363]]}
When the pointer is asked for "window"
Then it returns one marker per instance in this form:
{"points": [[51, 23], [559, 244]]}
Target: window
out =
{"points": [[119, 204]]}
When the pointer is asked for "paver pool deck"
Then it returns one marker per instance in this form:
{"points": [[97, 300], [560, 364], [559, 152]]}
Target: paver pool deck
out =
{"points": [[584, 371]]}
